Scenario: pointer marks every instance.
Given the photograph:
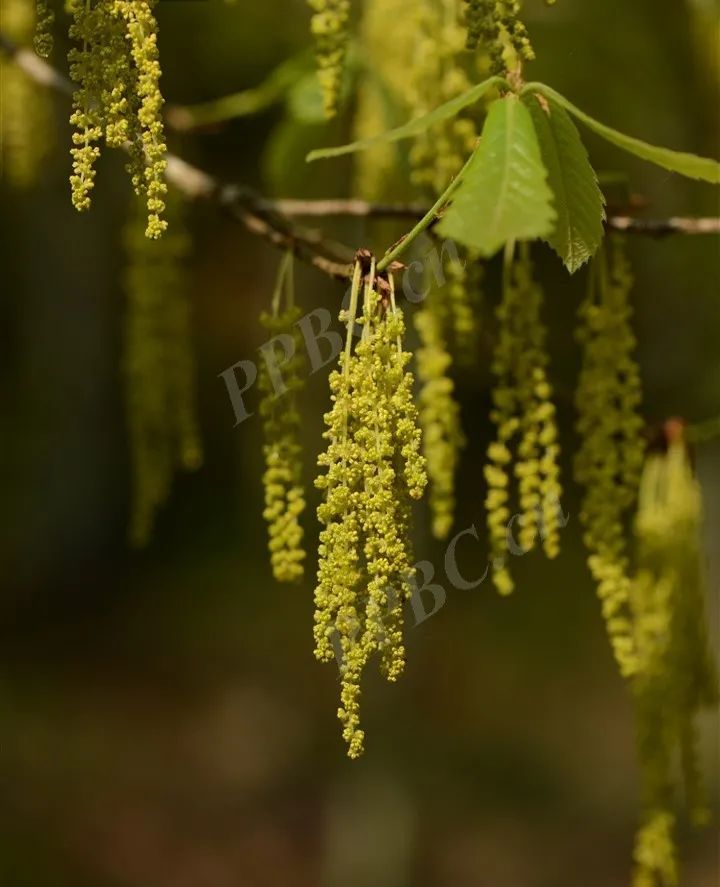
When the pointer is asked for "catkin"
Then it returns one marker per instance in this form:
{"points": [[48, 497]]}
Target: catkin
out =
{"points": [[411, 70], [329, 26], [495, 27], [609, 458], [526, 441], [25, 110], [439, 414], [282, 479], [118, 99], [158, 368], [45, 19], [373, 468], [675, 676]]}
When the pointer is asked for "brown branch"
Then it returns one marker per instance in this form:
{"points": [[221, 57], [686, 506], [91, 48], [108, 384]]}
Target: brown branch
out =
{"points": [[272, 220], [365, 209]]}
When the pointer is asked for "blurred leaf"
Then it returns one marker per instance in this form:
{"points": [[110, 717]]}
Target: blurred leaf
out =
{"points": [[504, 194], [305, 100], [689, 165], [579, 203], [272, 90], [416, 126]]}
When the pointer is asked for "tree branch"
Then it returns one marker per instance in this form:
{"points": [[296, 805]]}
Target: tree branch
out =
{"points": [[272, 220], [365, 209]]}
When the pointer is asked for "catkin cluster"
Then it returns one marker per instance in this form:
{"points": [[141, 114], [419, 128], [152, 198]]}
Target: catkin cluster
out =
{"points": [[675, 676], [118, 99], [329, 26], [524, 417], [495, 27], [25, 131], [282, 479], [159, 368], [373, 468], [610, 455]]}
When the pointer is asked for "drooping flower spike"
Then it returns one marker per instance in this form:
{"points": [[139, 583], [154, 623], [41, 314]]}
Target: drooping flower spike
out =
{"points": [[282, 479], [526, 444], [373, 468]]}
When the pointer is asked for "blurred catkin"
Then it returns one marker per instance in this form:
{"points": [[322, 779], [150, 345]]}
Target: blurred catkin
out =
{"points": [[25, 109], [159, 367], [280, 379]]}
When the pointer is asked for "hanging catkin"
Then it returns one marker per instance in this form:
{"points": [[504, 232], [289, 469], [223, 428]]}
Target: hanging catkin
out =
{"points": [[523, 413], [159, 368], [372, 470], [282, 479], [44, 21], [675, 676], [118, 99], [329, 26], [495, 27], [25, 110], [439, 414], [609, 458]]}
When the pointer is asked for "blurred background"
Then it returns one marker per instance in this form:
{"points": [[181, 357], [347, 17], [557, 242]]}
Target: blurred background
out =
{"points": [[164, 722]]}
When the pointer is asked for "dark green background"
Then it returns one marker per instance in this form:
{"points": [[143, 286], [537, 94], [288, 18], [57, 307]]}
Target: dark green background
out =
{"points": [[162, 720]]}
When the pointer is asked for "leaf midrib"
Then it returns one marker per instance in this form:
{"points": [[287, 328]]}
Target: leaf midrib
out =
{"points": [[509, 124]]}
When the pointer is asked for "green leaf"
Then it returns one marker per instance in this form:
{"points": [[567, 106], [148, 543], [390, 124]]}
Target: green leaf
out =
{"points": [[579, 202], [416, 126], [305, 99], [689, 165], [504, 193]]}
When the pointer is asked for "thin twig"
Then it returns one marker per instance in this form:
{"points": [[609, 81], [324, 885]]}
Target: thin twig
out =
{"points": [[366, 209]]}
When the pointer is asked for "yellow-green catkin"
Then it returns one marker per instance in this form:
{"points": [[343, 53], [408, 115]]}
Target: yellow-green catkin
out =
{"points": [[118, 99], [675, 676], [379, 173], [526, 441], [412, 70], [439, 413], [464, 295], [373, 468], [436, 73], [44, 21], [495, 27], [159, 368], [282, 478], [329, 26], [610, 455], [25, 110]]}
